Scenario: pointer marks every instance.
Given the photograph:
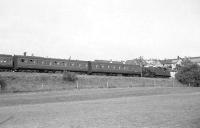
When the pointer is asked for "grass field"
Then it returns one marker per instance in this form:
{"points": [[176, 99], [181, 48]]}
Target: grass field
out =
{"points": [[97, 102], [147, 107], [28, 82]]}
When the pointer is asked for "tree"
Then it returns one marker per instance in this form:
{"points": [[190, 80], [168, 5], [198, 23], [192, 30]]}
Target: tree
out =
{"points": [[189, 73], [142, 62], [186, 61]]}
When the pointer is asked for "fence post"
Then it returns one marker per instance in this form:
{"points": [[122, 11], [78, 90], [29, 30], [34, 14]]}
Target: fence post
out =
{"points": [[77, 84], [42, 85], [99, 82]]}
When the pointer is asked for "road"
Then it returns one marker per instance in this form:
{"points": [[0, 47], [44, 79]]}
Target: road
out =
{"points": [[103, 108]]}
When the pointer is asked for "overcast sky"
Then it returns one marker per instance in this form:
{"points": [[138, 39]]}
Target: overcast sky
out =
{"points": [[100, 29]]}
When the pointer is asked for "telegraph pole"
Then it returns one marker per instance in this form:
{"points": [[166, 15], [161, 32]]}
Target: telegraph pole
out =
{"points": [[141, 65]]}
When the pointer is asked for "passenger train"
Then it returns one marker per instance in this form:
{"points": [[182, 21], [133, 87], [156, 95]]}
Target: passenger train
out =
{"points": [[41, 64]]}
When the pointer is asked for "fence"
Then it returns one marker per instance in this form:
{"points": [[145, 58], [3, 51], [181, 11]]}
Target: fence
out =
{"points": [[17, 82], [122, 82]]}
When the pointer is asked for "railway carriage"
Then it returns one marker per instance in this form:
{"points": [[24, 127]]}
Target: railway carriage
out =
{"points": [[22, 63], [113, 68], [6, 62], [48, 64], [76, 66]]}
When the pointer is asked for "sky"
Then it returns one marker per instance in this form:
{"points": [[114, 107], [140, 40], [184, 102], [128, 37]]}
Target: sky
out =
{"points": [[100, 29]]}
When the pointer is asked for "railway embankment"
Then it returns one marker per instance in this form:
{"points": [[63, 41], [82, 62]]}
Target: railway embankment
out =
{"points": [[31, 82]]}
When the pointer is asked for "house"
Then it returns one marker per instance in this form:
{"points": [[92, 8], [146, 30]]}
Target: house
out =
{"points": [[173, 63], [153, 63], [145, 63], [132, 62], [195, 60]]}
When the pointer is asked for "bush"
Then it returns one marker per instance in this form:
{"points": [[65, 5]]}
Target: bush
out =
{"points": [[3, 84], [189, 74], [147, 72], [69, 76]]}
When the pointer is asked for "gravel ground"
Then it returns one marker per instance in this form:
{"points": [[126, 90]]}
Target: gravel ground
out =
{"points": [[175, 110]]}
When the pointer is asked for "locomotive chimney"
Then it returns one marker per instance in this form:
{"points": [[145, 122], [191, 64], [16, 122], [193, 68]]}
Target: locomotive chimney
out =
{"points": [[25, 53]]}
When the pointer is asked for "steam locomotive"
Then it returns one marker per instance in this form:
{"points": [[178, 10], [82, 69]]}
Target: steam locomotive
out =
{"points": [[42, 64]]}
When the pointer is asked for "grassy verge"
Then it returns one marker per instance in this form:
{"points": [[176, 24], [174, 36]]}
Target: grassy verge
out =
{"points": [[29, 82]]}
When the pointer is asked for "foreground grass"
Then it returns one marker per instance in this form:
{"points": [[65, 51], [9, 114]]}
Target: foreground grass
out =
{"points": [[179, 109], [88, 94]]}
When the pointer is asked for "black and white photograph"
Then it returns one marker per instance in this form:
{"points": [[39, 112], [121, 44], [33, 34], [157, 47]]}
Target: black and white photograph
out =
{"points": [[99, 64]]}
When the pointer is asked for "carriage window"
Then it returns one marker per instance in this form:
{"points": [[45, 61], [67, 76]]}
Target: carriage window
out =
{"points": [[119, 67], [97, 66], [76, 65], [31, 61], [62, 63], [4, 60], [55, 62], [46, 62], [38, 61], [108, 66], [71, 64], [22, 60]]}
